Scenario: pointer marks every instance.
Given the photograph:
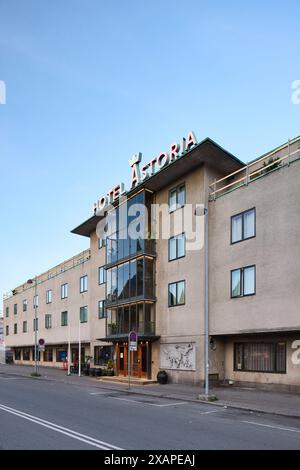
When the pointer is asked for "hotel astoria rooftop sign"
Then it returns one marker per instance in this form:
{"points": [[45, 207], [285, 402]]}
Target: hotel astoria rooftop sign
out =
{"points": [[141, 172]]}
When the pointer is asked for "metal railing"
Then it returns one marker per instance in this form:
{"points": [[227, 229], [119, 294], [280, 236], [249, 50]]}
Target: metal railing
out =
{"points": [[255, 169], [114, 329]]}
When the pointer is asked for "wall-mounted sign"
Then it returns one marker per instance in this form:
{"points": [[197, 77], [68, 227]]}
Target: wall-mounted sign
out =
{"points": [[140, 172]]}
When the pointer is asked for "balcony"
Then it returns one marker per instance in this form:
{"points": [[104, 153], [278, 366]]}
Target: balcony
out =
{"points": [[137, 316], [118, 329]]}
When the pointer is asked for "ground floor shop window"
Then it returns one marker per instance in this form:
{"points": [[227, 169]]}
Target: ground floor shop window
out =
{"points": [[102, 354], [17, 354], [260, 357], [26, 354], [61, 354], [48, 355]]}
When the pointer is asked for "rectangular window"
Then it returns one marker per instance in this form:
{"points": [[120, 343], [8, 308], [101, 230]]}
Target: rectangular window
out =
{"points": [[102, 275], [48, 321], [177, 247], [7, 312], [25, 305], [26, 354], [177, 198], [15, 309], [101, 242], [18, 354], [35, 301], [102, 309], [260, 357], [35, 324], [243, 226], [176, 293], [48, 296], [64, 318], [7, 330], [102, 354], [15, 328], [83, 314], [243, 281], [48, 355], [83, 284], [24, 326], [64, 291], [61, 354]]}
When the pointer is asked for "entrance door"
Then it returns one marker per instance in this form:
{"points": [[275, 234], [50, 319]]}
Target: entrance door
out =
{"points": [[140, 361]]}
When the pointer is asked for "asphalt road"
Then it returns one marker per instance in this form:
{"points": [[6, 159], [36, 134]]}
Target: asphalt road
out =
{"points": [[36, 414]]}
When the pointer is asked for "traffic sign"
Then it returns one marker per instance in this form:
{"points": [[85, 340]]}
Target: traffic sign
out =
{"points": [[133, 341], [41, 344]]}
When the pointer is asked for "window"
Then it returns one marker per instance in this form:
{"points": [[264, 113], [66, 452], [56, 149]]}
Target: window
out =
{"points": [[35, 301], [24, 326], [7, 312], [176, 293], [25, 305], [35, 324], [83, 284], [260, 357], [83, 314], [61, 354], [101, 242], [243, 226], [243, 281], [48, 296], [64, 291], [48, 355], [48, 321], [15, 328], [177, 198], [102, 354], [177, 247], [64, 318], [7, 330], [15, 309], [17, 354], [26, 354], [101, 309], [102, 275]]}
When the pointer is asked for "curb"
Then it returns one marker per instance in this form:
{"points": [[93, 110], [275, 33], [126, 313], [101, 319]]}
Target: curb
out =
{"points": [[220, 404]]}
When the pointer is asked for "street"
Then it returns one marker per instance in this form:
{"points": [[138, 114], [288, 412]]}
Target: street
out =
{"points": [[45, 414]]}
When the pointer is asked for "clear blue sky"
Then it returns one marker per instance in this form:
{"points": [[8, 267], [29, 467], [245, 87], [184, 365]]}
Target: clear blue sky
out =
{"points": [[91, 82]]}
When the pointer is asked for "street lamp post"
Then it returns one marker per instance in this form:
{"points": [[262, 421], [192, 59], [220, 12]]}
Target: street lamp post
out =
{"points": [[35, 306]]}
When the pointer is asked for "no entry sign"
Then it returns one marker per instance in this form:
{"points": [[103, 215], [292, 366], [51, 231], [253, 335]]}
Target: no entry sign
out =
{"points": [[133, 341]]}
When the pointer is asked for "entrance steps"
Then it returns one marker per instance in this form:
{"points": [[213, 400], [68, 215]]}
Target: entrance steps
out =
{"points": [[124, 380]]}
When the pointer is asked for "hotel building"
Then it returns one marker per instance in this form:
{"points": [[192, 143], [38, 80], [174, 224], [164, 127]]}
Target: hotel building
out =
{"points": [[154, 285]]}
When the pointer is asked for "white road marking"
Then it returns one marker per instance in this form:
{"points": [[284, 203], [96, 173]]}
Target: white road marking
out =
{"points": [[149, 404], [98, 393], [209, 412], [55, 427], [272, 427]]}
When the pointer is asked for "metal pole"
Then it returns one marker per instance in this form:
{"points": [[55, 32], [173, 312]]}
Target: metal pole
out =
{"points": [[79, 351], [35, 327], [69, 346], [128, 363], [206, 325]]}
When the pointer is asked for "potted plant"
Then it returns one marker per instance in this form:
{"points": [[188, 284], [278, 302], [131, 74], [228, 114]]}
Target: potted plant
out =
{"points": [[162, 377], [110, 367]]}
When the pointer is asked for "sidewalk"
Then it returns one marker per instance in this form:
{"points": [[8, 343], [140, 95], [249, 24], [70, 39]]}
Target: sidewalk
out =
{"points": [[285, 404]]}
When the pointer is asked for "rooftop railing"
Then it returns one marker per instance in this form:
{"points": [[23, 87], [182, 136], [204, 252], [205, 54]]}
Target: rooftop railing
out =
{"points": [[281, 156]]}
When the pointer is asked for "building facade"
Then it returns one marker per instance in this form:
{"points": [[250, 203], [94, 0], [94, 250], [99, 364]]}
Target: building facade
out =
{"points": [[151, 279]]}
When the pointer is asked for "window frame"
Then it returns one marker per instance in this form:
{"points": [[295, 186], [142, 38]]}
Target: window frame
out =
{"points": [[243, 226], [25, 330], [82, 288], [63, 289], [176, 188], [15, 309], [48, 324], [62, 315], [86, 310], [49, 296], [7, 312], [101, 243], [15, 328], [273, 343], [24, 305], [103, 301], [104, 275], [242, 269], [175, 237], [176, 283]]}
